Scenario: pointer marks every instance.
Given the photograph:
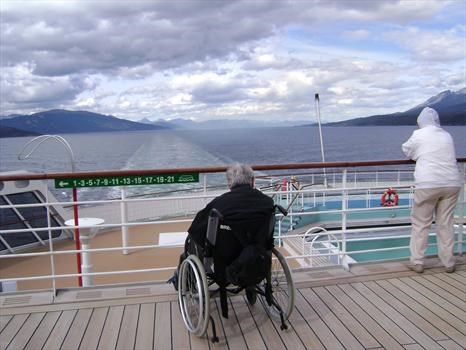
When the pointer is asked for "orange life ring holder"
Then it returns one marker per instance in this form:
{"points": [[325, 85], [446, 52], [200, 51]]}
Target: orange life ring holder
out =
{"points": [[389, 198]]}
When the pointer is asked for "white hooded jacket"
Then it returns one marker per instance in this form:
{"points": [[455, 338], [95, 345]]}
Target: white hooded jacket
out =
{"points": [[434, 152]]}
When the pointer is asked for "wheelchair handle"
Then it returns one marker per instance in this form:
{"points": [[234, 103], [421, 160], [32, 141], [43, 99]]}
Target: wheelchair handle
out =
{"points": [[215, 214], [281, 209]]}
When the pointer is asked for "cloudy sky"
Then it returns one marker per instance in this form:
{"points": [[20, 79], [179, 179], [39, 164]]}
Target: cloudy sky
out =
{"points": [[214, 59]]}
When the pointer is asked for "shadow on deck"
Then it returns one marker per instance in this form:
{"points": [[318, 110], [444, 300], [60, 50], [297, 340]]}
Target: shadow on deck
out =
{"points": [[375, 306]]}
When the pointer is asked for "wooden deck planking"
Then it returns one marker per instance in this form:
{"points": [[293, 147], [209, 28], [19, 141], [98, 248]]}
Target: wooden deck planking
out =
{"points": [[447, 278], [335, 325], [315, 322], [61, 329], [460, 278], [455, 331], [384, 321], [129, 323], [145, 329], [180, 334], [359, 332], [4, 321], [376, 330], [406, 309], [11, 329], [231, 327], [43, 331], [419, 291], [246, 323], [91, 337], [109, 336], [268, 332], [162, 328], [305, 333], [396, 313], [419, 336], [25, 333], [438, 287], [215, 313], [77, 329], [450, 345]]}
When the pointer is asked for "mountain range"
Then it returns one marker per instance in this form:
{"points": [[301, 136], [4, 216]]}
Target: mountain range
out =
{"points": [[450, 105]]}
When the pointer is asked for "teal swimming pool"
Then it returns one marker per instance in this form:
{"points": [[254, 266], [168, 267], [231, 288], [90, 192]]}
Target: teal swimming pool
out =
{"points": [[321, 215], [401, 251]]}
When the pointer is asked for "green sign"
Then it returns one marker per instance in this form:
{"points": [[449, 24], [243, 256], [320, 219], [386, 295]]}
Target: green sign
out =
{"points": [[133, 180]]}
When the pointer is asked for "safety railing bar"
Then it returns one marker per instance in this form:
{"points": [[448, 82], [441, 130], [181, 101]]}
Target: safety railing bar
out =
{"points": [[55, 228], [103, 273], [88, 202], [171, 268], [142, 247], [386, 249]]}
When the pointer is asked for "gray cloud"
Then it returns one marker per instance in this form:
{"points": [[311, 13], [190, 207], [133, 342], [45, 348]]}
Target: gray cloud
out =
{"points": [[79, 53]]}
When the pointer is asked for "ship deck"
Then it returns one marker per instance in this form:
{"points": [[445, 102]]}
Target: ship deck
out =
{"points": [[374, 306]]}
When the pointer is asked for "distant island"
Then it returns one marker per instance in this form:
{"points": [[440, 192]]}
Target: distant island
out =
{"points": [[450, 105]]}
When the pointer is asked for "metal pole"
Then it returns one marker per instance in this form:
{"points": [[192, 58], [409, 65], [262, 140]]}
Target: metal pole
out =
{"points": [[320, 135], [124, 220], [344, 208], [77, 240], [41, 139]]}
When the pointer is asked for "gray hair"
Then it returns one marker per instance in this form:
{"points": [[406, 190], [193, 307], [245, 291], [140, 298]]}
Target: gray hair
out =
{"points": [[240, 174]]}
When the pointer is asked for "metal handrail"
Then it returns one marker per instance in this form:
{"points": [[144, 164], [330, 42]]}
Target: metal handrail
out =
{"points": [[206, 170]]}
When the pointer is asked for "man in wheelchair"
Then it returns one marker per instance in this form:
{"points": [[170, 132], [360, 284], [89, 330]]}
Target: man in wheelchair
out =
{"points": [[246, 214], [232, 238]]}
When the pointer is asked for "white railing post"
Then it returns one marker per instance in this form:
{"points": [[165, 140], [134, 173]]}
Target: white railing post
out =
{"points": [[49, 224], [344, 208], [279, 233], [124, 220], [461, 206], [204, 186]]}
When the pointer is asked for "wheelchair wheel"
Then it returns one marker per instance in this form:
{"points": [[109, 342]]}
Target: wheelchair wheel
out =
{"points": [[193, 295], [282, 288]]}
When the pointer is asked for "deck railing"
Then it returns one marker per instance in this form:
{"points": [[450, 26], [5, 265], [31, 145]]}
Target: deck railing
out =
{"points": [[296, 186]]}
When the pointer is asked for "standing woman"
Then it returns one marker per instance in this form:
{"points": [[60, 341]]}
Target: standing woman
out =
{"points": [[437, 182]]}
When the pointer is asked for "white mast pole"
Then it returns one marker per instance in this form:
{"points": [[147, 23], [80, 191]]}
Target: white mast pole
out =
{"points": [[320, 135]]}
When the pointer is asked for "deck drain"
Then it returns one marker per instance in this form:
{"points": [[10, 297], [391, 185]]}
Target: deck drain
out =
{"points": [[376, 268], [17, 300], [89, 295], [318, 275], [137, 291]]}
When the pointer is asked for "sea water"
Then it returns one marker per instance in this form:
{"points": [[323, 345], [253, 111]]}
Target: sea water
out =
{"points": [[203, 148]]}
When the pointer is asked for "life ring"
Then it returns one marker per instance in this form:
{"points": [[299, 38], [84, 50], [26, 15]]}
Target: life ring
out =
{"points": [[389, 198]]}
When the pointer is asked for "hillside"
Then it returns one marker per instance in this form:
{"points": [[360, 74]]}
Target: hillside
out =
{"points": [[60, 121], [6, 131], [451, 107]]}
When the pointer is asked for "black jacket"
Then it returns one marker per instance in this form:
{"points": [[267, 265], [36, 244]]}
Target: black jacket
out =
{"points": [[247, 213]]}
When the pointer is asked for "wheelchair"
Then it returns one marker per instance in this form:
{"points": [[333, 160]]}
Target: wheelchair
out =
{"points": [[198, 283]]}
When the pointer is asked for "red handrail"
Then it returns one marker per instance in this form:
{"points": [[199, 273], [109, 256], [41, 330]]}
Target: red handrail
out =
{"points": [[216, 169]]}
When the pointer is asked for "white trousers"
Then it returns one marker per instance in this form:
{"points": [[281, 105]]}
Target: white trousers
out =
{"points": [[442, 202]]}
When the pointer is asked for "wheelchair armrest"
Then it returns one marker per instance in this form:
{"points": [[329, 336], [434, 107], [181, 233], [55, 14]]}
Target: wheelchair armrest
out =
{"points": [[281, 209]]}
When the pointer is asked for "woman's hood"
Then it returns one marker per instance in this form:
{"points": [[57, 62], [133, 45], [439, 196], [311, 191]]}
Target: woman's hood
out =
{"points": [[427, 117]]}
